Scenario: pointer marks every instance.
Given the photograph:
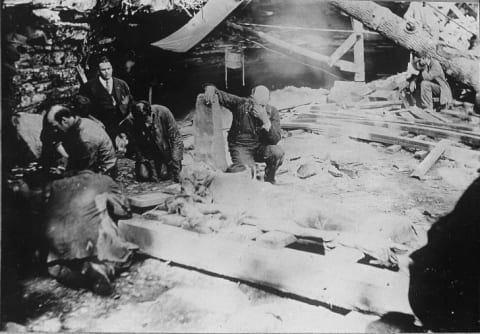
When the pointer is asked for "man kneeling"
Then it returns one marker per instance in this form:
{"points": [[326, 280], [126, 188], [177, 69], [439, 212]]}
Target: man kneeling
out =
{"points": [[255, 130], [157, 138]]}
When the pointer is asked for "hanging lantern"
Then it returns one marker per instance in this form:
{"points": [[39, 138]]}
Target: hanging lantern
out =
{"points": [[234, 60]]}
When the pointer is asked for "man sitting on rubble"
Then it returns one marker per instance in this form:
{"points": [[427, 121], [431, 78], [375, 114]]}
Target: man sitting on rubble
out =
{"points": [[87, 144], [255, 130], [430, 83], [157, 139]]}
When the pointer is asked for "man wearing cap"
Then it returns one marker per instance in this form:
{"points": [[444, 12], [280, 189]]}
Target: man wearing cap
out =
{"points": [[255, 130], [158, 139], [430, 83]]}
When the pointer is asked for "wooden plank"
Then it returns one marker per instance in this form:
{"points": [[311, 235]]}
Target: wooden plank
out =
{"points": [[407, 116], [419, 113], [374, 104], [430, 159], [359, 52], [385, 137], [293, 49], [298, 273], [440, 125], [147, 200], [436, 116], [342, 49], [469, 139]]}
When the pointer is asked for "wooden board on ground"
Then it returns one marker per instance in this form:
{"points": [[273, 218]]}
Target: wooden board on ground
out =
{"points": [[419, 113], [437, 116], [385, 137], [351, 286], [430, 159], [147, 200], [407, 116], [468, 139]]}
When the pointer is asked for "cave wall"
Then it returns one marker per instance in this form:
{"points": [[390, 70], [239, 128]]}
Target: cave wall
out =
{"points": [[43, 42]]}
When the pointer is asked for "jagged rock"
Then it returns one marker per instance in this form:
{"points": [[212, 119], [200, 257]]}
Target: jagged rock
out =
{"points": [[307, 170], [47, 14], [420, 155], [28, 127], [13, 327], [394, 148], [348, 91], [48, 325]]}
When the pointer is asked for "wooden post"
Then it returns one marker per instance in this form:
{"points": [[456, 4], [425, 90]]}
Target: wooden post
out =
{"points": [[359, 51]]}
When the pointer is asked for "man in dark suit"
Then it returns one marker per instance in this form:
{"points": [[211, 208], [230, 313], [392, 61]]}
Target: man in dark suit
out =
{"points": [[110, 97]]}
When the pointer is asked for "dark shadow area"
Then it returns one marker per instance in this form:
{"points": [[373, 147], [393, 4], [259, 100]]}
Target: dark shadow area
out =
{"points": [[394, 322], [307, 244]]}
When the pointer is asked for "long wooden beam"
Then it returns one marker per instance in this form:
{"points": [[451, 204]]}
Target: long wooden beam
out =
{"points": [[294, 272], [469, 139]]}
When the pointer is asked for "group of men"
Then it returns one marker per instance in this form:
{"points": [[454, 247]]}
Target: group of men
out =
{"points": [[84, 137], [84, 246]]}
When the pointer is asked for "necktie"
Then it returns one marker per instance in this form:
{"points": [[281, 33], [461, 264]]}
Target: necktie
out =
{"points": [[110, 91]]}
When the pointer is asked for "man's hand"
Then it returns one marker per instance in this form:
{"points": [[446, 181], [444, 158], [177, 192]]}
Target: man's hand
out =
{"points": [[412, 86], [261, 113], [210, 92]]}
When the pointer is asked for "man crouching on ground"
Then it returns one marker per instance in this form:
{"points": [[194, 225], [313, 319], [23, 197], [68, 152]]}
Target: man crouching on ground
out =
{"points": [[156, 138], [255, 130]]}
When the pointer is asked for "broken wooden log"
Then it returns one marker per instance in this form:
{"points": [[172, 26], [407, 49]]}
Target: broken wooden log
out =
{"points": [[430, 159], [460, 65], [297, 273]]}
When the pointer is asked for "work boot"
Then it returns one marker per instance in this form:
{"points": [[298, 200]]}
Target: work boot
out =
{"points": [[98, 278]]}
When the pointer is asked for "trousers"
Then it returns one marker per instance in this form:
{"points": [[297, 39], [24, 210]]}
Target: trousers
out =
{"points": [[247, 155], [426, 92]]}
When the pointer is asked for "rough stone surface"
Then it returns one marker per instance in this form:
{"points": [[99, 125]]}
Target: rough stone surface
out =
{"points": [[28, 127]]}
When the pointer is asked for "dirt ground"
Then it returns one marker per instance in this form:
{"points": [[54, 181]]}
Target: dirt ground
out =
{"points": [[362, 179]]}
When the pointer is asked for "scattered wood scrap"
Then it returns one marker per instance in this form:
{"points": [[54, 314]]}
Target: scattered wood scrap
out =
{"points": [[376, 134], [430, 159], [298, 273], [147, 200]]}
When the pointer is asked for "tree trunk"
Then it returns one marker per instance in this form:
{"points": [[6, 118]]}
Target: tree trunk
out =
{"points": [[459, 65]]}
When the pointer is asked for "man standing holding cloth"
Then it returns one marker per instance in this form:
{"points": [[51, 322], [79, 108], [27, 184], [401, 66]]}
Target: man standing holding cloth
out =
{"points": [[255, 130], [110, 98]]}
